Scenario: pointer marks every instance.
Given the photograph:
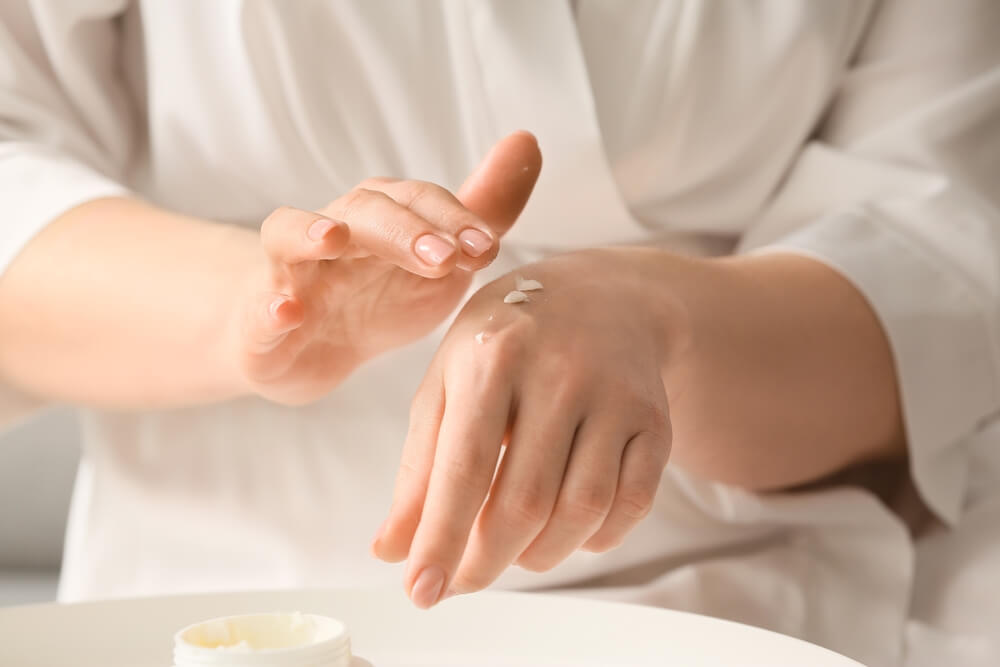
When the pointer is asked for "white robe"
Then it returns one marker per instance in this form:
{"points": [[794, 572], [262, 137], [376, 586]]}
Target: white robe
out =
{"points": [[864, 134]]}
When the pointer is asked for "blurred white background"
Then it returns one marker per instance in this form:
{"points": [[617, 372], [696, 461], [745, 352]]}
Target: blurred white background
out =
{"points": [[37, 466]]}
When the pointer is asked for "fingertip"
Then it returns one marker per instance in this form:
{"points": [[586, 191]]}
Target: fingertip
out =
{"points": [[522, 139], [285, 312], [437, 255], [333, 236], [270, 320], [375, 549], [529, 151], [319, 229], [475, 242], [390, 543], [524, 134], [338, 239], [388, 550], [428, 586], [498, 189]]}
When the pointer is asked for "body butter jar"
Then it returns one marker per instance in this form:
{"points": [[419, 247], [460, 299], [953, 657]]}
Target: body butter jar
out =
{"points": [[264, 640]]}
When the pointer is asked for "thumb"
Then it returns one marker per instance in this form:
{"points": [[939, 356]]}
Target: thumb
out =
{"points": [[499, 187]]}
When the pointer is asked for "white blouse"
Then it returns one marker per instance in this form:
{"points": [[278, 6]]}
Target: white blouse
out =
{"points": [[864, 134]]}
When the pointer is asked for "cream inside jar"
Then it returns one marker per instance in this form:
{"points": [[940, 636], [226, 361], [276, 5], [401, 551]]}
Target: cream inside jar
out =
{"points": [[278, 639]]}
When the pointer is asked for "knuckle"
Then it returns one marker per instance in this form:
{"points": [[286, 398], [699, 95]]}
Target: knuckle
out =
{"points": [[351, 203], [417, 192], [658, 423], [655, 448], [525, 509], [565, 380], [587, 506], [491, 370], [636, 500], [511, 342], [653, 416], [508, 344], [422, 189], [273, 220], [566, 391], [411, 474], [468, 472]]}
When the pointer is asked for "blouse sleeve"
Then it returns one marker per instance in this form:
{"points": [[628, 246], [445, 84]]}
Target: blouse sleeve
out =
{"points": [[900, 192], [65, 121]]}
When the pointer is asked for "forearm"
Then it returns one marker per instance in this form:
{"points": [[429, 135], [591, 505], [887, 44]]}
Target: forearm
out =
{"points": [[122, 305], [781, 373]]}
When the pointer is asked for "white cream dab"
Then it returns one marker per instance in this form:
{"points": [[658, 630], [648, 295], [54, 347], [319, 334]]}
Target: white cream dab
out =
{"points": [[526, 285], [515, 297], [482, 337]]}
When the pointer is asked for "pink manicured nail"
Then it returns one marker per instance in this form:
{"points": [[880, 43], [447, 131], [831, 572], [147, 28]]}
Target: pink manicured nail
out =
{"points": [[474, 242], [427, 588], [318, 229], [433, 249], [277, 304]]}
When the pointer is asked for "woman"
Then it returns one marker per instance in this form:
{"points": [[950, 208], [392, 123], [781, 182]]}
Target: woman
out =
{"points": [[825, 401]]}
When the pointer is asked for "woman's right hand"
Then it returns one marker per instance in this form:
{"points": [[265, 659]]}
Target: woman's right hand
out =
{"points": [[375, 269]]}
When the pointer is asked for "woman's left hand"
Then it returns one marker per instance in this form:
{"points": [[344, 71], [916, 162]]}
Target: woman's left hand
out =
{"points": [[570, 381]]}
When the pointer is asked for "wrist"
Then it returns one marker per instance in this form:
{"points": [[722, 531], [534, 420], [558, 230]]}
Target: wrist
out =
{"points": [[241, 266], [668, 286]]}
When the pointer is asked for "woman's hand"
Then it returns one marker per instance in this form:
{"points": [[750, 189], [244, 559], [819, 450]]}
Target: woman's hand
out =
{"points": [[570, 381], [777, 370], [202, 312], [377, 268]]}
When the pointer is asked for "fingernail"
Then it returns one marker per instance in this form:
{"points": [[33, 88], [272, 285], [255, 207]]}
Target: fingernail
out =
{"points": [[427, 588], [378, 538], [381, 529], [433, 249], [474, 242], [318, 229], [277, 304]]}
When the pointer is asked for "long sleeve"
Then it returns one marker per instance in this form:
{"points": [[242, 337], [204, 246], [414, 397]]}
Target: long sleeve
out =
{"points": [[900, 192], [65, 121]]}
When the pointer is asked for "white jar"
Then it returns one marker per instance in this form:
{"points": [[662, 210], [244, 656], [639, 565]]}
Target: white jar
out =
{"points": [[264, 640]]}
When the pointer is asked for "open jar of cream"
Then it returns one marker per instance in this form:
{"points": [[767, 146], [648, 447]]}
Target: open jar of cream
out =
{"points": [[264, 640]]}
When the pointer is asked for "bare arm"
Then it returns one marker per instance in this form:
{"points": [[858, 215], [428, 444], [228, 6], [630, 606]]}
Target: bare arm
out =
{"points": [[119, 304], [783, 374]]}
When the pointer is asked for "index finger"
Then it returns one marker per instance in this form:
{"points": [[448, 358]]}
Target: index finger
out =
{"points": [[498, 189], [468, 448], [441, 208]]}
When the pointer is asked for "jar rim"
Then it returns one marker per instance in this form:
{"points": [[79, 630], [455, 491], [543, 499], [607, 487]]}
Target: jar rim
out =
{"points": [[330, 643]]}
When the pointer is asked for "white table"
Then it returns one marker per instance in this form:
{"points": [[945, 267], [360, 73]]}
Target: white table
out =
{"points": [[487, 629]]}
